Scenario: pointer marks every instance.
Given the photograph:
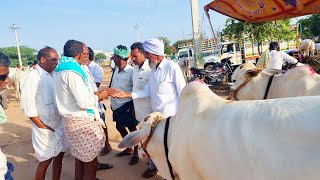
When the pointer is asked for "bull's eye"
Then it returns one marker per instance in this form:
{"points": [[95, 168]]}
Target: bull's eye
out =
{"points": [[147, 118], [234, 80]]}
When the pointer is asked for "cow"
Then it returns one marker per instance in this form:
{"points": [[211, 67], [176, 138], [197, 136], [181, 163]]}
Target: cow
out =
{"points": [[307, 46], [250, 83], [213, 138]]}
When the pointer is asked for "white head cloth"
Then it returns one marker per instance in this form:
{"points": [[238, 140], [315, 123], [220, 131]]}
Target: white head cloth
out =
{"points": [[154, 46]]}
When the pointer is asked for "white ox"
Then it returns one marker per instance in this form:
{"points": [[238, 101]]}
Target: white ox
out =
{"points": [[307, 46], [298, 81], [212, 138], [17, 76]]}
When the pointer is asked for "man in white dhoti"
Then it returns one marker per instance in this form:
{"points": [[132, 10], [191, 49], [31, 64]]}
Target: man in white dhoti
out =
{"points": [[37, 103], [77, 104]]}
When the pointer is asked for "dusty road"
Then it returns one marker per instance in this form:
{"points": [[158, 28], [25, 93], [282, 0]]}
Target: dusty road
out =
{"points": [[16, 144]]}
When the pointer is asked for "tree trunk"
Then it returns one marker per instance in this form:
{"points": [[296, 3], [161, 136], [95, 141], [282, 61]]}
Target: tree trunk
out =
{"points": [[259, 48]]}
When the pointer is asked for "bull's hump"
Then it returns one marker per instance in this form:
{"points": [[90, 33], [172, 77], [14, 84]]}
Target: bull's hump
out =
{"points": [[197, 93], [194, 88]]}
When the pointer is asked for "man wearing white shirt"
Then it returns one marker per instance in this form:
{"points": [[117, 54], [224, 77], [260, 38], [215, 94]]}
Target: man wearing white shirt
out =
{"points": [[95, 69], [123, 109], [37, 103], [77, 104], [140, 77], [277, 57]]}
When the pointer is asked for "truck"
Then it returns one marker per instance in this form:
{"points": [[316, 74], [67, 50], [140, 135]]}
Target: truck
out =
{"points": [[243, 52], [240, 52]]}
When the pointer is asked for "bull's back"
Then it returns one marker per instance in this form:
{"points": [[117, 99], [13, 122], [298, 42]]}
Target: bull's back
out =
{"points": [[274, 139]]}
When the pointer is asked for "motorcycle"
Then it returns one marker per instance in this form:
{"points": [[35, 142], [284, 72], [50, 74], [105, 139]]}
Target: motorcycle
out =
{"points": [[214, 74]]}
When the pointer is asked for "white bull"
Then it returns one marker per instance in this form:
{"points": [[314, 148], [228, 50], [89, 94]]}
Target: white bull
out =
{"points": [[17, 76], [298, 81], [307, 46], [212, 138]]}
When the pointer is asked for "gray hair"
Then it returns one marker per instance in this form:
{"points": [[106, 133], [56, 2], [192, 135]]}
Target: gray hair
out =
{"points": [[4, 60]]}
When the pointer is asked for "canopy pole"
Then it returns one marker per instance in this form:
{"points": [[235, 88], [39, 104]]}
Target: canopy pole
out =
{"points": [[206, 9]]}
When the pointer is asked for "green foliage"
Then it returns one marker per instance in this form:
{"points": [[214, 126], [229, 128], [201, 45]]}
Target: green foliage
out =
{"points": [[27, 55], [310, 26], [282, 31], [100, 56], [167, 47], [233, 29], [258, 32]]}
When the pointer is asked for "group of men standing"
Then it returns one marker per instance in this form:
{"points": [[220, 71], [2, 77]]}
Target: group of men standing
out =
{"points": [[65, 106]]}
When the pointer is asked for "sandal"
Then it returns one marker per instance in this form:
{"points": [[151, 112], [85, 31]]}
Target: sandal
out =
{"points": [[104, 166], [105, 150], [134, 160], [123, 153], [149, 173]]}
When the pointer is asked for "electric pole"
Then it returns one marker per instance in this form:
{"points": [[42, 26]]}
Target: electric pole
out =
{"points": [[197, 40], [14, 28], [137, 31]]}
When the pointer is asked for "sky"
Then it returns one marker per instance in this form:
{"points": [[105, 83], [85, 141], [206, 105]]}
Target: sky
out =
{"points": [[101, 24]]}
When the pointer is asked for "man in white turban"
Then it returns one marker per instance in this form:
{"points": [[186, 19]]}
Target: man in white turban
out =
{"points": [[164, 87]]}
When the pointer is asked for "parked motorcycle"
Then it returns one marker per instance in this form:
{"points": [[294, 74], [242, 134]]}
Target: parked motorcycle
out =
{"points": [[214, 74]]}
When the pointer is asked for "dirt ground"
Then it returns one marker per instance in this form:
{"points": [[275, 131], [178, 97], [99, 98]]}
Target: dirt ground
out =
{"points": [[16, 144]]}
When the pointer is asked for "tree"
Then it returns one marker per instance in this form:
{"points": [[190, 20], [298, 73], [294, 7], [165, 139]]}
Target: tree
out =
{"points": [[310, 26], [167, 47], [258, 32], [234, 29], [27, 55], [282, 31], [100, 56]]}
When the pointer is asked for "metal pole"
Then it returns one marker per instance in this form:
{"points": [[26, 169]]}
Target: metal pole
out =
{"points": [[137, 31], [214, 36], [197, 40], [14, 28]]}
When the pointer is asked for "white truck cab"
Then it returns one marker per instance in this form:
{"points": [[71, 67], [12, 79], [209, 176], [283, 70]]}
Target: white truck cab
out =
{"points": [[225, 50]]}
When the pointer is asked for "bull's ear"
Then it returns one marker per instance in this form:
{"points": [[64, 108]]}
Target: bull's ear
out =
{"points": [[134, 138], [252, 72]]}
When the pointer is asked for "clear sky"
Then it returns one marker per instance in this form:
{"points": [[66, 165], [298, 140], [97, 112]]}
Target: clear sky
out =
{"points": [[101, 24]]}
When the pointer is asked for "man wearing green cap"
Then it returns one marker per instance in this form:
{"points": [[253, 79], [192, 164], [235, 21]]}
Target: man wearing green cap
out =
{"points": [[123, 109]]}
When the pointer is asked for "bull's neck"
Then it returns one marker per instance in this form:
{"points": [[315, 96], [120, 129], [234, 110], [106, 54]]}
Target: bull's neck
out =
{"points": [[156, 147], [255, 89]]}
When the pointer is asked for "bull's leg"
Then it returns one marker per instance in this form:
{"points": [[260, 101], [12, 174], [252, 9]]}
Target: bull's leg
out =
{"points": [[17, 91], [312, 51], [308, 52]]}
